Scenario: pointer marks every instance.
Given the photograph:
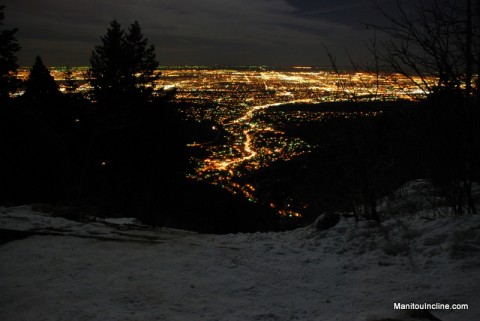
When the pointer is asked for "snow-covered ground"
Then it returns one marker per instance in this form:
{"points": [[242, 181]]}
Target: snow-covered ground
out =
{"points": [[119, 270]]}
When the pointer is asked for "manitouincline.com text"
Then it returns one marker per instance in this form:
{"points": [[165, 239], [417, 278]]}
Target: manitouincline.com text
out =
{"points": [[429, 306]]}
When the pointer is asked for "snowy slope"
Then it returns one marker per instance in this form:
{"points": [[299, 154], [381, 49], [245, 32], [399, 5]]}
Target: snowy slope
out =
{"points": [[117, 270]]}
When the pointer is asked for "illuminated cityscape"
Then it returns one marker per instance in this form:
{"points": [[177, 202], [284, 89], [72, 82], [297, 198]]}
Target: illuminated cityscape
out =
{"points": [[238, 102], [248, 137]]}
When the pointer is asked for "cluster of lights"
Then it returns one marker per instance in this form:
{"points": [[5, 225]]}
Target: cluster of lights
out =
{"points": [[243, 100], [239, 103]]}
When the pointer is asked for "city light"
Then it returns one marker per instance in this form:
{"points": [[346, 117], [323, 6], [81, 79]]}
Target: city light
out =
{"points": [[240, 104]]}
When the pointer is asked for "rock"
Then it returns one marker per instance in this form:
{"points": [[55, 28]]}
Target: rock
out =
{"points": [[327, 220]]}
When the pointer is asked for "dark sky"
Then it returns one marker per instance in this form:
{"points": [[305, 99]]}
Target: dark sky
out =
{"points": [[198, 32]]}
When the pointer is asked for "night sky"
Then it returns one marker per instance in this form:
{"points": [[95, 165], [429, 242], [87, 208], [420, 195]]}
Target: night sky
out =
{"points": [[199, 32]]}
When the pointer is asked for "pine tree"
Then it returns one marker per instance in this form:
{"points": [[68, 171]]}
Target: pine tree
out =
{"points": [[142, 60], [40, 84], [123, 66], [109, 73], [8, 60]]}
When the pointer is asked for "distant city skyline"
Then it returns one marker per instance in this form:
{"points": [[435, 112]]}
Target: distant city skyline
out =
{"points": [[200, 32]]}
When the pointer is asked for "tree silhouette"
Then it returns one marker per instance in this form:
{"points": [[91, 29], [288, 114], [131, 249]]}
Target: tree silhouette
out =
{"points": [[109, 71], [123, 65], [8, 60], [40, 84], [141, 60], [437, 39], [440, 43]]}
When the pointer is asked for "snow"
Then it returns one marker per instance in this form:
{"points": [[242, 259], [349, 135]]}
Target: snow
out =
{"points": [[115, 269]]}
